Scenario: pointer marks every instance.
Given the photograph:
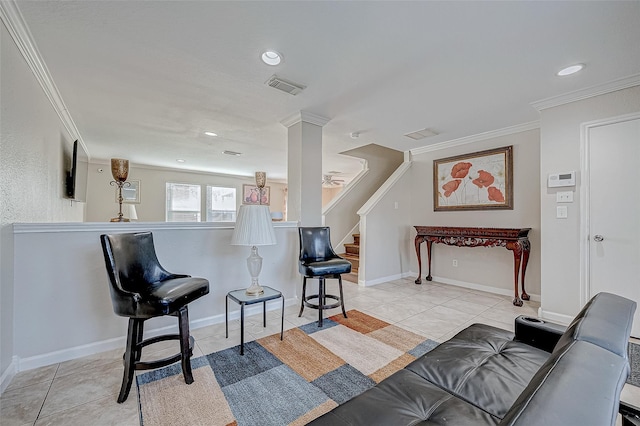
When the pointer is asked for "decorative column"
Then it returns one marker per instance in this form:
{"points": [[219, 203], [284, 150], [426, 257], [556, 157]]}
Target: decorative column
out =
{"points": [[304, 168]]}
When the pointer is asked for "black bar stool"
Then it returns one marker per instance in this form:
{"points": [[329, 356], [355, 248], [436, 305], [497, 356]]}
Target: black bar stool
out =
{"points": [[318, 260], [142, 289]]}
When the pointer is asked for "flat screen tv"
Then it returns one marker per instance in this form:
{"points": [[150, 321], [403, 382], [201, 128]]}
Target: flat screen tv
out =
{"points": [[78, 174]]}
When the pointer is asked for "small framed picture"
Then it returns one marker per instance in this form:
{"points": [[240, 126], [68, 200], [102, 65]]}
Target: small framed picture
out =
{"points": [[251, 195], [130, 192]]}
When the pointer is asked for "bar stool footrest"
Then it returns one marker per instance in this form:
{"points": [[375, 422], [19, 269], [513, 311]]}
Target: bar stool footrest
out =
{"points": [[149, 365], [317, 306]]}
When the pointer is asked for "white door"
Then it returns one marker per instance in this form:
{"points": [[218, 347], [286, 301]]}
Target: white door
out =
{"points": [[614, 211]]}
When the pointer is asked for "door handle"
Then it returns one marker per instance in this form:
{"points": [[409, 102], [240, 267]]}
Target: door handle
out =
{"points": [[598, 238]]}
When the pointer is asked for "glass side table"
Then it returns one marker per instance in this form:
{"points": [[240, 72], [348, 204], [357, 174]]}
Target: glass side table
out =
{"points": [[242, 298]]}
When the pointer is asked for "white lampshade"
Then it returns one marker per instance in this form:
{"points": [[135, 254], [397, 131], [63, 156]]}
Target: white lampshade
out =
{"points": [[133, 215], [253, 227]]}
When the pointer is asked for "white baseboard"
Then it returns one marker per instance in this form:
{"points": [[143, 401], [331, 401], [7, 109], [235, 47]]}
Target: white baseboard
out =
{"points": [[29, 363], [8, 374], [481, 287], [368, 283], [234, 312], [554, 317], [42, 360]]}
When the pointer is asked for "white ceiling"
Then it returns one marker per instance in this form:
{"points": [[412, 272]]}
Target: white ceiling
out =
{"points": [[144, 80]]}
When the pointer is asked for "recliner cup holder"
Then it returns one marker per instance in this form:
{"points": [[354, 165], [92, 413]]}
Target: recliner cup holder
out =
{"points": [[531, 319]]}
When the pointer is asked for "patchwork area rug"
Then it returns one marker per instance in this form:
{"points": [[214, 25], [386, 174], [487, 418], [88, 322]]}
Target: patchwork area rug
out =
{"points": [[287, 382]]}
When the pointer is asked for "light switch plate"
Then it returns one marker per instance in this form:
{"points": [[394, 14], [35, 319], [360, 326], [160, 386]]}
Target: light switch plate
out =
{"points": [[562, 212], [564, 197]]}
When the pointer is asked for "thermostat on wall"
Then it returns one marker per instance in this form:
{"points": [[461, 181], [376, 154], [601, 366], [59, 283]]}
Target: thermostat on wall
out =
{"points": [[562, 179]]}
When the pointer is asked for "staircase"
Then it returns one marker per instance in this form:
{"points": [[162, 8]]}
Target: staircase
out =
{"points": [[352, 255]]}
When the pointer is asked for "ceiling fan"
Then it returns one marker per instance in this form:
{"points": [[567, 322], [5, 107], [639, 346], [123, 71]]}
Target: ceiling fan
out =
{"points": [[328, 181]]}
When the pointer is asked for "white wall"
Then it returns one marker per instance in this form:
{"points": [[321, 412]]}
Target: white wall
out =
{"points": [[385, 236], [559, 152], [484, 268], [329, 194], [63, 308], [32, 138], [102, 204], [342, 216]]}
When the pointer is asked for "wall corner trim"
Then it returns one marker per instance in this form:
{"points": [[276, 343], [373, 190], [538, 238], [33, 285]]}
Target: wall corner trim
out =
{"points": [[8, 374]]}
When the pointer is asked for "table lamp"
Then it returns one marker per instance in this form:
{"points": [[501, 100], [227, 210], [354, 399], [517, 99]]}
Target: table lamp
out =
{"points": [[254, 228]]}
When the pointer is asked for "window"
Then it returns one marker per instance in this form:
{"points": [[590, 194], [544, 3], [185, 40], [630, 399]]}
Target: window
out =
{"points": [[221, 204], [183, 202]]}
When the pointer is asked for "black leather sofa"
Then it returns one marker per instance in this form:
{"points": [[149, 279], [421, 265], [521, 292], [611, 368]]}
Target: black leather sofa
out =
{"points": [[544, 374]]}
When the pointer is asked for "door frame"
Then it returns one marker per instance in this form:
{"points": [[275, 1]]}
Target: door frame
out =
{"points": [[585, 190]]}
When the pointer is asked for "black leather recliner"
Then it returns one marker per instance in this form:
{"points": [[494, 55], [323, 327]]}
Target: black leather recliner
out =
{"points": [[543, 374], [141, 289], [318, 260]]}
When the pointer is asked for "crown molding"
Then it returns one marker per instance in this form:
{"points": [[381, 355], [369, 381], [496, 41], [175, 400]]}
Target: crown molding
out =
{"points": [[307, 117], [589, 92], [16, 26], [476, 138]]}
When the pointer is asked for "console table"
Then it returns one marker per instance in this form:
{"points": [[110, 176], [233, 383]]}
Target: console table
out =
{"points": [[514, 239]]}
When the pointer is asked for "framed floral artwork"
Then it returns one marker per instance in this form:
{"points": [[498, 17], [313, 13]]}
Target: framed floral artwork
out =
{"points": [[478, 181], [251, 195]]}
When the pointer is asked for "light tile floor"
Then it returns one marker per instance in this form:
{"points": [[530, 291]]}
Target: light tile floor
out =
{"points": [[84, 391]]}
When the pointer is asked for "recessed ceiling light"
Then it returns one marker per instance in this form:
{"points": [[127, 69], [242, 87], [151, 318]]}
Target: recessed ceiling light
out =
{"points": [[180, 160], [570, 70], [210, 134], [271, 57]]}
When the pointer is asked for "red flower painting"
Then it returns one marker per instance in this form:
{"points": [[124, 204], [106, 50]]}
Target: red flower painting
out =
{"points": [[450, 187], [495, 194], [489, 171], [460, 170], [484, 179]]}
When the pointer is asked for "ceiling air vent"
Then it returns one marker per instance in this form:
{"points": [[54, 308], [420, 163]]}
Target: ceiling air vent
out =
{"points": [[421, 134], [227, 152], [284, 85]]}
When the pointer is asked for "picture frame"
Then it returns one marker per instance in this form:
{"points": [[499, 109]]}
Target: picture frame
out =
{"points": [[478, 181], [130, 193], [250, 195]]}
